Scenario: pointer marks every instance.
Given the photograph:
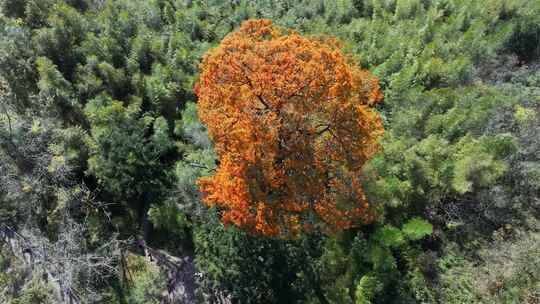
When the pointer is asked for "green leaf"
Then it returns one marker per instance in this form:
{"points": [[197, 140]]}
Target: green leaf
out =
{"points": [[367, 288], [416, 229], [389, 236], [381, 258]]}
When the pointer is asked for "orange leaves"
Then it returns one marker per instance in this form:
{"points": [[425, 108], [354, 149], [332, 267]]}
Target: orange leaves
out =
{"points": [[292, 124]]}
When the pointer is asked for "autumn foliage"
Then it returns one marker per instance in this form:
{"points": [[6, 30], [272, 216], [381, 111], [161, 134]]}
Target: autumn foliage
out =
{"points": [[292, 123]]}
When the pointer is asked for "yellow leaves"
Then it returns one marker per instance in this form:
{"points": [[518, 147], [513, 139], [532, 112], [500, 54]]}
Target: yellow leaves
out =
{"points": [[26, 188], [292, 125], [57, 162]]}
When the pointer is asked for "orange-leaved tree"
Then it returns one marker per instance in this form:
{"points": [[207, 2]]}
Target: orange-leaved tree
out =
{"points": [[292, 124]]}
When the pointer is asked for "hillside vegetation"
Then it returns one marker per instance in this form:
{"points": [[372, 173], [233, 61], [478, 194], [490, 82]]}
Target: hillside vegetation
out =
{"points": [[110, 184]]}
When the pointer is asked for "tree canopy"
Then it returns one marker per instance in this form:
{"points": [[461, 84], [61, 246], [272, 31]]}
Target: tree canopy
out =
{"points": [[292, 122], [216, 151]]}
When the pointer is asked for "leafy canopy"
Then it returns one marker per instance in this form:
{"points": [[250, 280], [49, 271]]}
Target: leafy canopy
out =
{"points": [[292, 123]]}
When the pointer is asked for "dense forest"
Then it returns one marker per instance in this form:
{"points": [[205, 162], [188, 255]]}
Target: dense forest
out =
{"points": [[269, 151]]}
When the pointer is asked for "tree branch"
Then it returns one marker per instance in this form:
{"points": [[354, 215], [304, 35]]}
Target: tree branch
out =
{"points": [[196, 165], [250, 83], [4, 109]]}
